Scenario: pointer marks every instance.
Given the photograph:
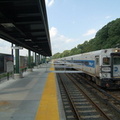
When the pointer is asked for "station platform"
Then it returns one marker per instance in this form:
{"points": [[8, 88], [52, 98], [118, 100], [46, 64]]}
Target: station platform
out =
{"points": [[34, 97]]}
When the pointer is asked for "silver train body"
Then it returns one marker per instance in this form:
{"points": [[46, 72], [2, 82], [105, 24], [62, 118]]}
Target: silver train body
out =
{"points": [[102, 66]]}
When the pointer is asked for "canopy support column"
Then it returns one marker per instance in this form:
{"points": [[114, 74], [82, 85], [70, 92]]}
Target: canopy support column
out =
{"points": [[36, 60], [29, 61], [17, 74]]}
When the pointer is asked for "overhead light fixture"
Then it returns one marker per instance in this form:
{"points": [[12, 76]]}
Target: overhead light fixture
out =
{"points": [[8, 25], [28, 40]]}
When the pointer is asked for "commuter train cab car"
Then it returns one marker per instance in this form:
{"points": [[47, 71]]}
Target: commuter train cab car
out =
{"points": [[102, 66]]}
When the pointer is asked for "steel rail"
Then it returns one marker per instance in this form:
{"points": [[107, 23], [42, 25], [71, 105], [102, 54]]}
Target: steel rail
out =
{"points": [[96, 106], [102, 91], [109, 97], [68, 95]]}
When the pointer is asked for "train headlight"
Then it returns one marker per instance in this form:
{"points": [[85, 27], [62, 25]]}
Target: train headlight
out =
{"points": [[117, 50]]}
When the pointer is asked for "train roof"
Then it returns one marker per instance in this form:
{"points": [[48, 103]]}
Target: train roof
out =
{"points": [[96, 52]]}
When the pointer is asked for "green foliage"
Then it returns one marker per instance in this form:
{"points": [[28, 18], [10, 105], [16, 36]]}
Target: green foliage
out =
{"points": [[57, 55], [74, 51], [107, 37], [65, 53]]}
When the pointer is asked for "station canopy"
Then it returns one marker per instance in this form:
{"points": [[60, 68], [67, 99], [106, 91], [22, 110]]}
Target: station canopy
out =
{"points": [[24, 23]]}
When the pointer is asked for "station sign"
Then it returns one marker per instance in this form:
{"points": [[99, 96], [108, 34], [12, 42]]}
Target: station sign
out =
{"points": [[17, 47]]}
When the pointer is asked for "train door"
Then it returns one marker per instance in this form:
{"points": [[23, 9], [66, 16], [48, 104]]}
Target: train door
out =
{"points": [[97, 65], [116, 66]]}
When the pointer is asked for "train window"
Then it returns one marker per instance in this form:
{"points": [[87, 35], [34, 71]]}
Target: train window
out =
{"points": [[116, 60], [106, 61], [97, 61]]}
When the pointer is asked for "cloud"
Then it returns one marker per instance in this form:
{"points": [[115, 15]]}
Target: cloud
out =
{"points": [[4, 43], [60, 42], [5, 48], [90, 32], [53, 32], [107, 17], [49, 2]]}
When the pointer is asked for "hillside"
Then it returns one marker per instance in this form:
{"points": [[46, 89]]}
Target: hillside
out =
{"points": [[107, 37]]}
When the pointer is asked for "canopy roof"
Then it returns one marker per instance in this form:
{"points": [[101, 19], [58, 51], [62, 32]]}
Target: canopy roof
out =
{"points": [[24, 23]]}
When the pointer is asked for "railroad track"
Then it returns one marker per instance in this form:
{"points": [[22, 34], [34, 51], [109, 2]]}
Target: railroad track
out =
{"points": [[77, 104], [111, 98], [115, 94]]}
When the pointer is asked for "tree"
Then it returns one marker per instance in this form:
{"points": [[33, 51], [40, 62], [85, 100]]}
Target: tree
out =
{"points": [[57, 55], [107, 37], [66, 53]]}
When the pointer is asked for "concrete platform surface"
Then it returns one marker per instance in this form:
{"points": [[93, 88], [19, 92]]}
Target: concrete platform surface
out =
{"points": [[20, 99]]}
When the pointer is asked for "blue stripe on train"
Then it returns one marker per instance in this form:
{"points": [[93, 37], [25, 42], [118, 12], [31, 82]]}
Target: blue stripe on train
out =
{"points": [[88, 63]]}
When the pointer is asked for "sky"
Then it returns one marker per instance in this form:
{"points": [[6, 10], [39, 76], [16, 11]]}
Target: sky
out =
{"points": [[71, 22]]}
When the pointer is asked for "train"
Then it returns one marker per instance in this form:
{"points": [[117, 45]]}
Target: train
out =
{"points": [[101, 66]]}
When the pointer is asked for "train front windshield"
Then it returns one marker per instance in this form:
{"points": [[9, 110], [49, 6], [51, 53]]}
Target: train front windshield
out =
{"points": [[116, 60], [116, 65], [106, 61]]}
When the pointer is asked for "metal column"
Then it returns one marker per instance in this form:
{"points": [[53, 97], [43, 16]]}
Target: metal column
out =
{"points": [[35, 59], [17, 74], [39, 59], [29, 61], [17, 69]]}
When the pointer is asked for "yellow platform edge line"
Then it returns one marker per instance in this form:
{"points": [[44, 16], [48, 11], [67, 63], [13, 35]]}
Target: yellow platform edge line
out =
{"points": [[48, 106]]}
